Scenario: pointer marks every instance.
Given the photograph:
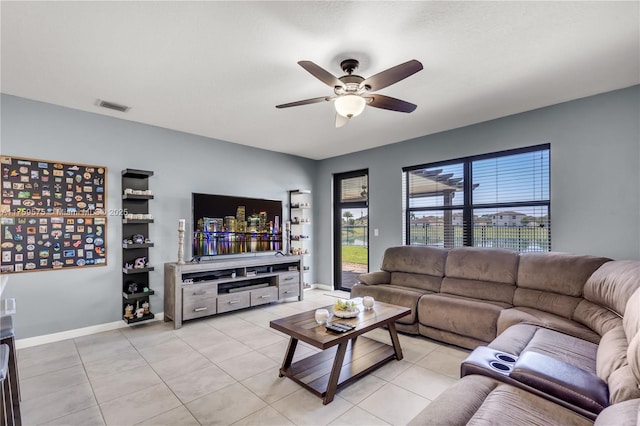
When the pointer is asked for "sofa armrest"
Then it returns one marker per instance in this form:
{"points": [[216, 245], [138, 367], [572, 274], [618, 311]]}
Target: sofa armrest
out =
{"points": [[561, 380], [373, 278]]}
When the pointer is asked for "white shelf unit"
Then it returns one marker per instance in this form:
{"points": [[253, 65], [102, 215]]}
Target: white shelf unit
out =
{"points": [[299, 230]]}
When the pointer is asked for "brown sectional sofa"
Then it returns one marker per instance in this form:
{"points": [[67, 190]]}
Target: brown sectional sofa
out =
{"points": [[571, 324], [467, 296]]}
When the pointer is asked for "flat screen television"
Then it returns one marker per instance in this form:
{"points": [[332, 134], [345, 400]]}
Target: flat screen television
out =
{"points": [[227, 225]]}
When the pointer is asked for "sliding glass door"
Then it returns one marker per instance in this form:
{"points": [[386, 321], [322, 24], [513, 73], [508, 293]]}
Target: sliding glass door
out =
{"points": [[351, 228]]}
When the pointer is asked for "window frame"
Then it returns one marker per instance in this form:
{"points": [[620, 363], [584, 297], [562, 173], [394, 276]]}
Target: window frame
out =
{"points": [[468, 206]]}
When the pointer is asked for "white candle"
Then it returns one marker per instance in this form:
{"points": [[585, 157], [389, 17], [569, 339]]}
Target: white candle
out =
{"points": [[322, 315], [181, 224], [368, 302]]}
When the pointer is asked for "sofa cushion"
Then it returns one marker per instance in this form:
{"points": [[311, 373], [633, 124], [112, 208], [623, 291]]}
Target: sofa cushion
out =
{"points": [[460, 315], [623, 414], [478, 400], [557, 272], [613, 284], [419, 281], [482, 264], [458, 404], [622, 385], [373, 278], [631, 321], [415, 259], [561, 380], [563, 347], [483, 290], [558, 304], [597, 318], [509, 317], [514, 339], [612, 353], [394, 295], [633, 358], [449, 337], [608, 359], [511, 405]]}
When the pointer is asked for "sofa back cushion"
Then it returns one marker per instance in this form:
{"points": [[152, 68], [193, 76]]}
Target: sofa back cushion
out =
{"points": [[618, 358], [633, 357], [415, 259], [559, 273], [631, 320], [477, 289], [554, 303], [613, 365], [631, 323], [481, 273], [623, 386], [419, 281], [553, 282], [597, 318], [606, 295], [482, 264], [612, 284], [612, 353]]}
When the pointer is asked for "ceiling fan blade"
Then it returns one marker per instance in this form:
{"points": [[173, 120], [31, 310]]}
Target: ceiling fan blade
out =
{"points": [[392, 75], [393, 104], [341, 120], [321, 74], [306, 102]]}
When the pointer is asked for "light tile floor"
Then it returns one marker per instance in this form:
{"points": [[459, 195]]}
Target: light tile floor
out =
{"points": [[219, 371]]}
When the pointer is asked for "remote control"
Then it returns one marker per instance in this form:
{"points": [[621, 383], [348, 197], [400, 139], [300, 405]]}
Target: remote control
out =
{"points": [[336, 329], [349, 326], [343, 326], [340, 327]]}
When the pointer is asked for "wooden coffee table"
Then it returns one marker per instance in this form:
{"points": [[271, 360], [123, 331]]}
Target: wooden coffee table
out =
{"points": [[324, 372]]}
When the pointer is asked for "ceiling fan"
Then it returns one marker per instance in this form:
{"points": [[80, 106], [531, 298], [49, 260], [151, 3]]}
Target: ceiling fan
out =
{"points": [[352, 92]]}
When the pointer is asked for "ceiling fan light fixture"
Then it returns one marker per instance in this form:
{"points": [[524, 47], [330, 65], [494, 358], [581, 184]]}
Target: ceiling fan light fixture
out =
{"points": [[350, 105]]}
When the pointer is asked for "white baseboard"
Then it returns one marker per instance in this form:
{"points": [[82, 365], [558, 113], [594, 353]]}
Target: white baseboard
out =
{"points": [[324, 287], [78, 332]]}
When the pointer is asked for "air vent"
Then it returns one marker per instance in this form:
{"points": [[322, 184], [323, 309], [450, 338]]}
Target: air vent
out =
{"points": [[111, 105]]}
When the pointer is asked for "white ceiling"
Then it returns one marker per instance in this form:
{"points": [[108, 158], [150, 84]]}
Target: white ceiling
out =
{"points": [[217, 69]]}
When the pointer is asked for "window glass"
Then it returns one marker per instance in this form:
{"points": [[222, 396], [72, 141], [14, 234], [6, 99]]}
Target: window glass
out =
{"points": [[494, 200]]}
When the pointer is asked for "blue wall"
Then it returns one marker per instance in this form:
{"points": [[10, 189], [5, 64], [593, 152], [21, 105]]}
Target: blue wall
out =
{"points": [[54, 301]]}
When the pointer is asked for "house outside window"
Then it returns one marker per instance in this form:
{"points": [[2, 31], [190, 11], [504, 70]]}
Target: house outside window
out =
{"points": [[494, 200]]}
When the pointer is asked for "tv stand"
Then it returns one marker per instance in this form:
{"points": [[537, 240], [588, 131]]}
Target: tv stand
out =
{"points": [[202, 288]]}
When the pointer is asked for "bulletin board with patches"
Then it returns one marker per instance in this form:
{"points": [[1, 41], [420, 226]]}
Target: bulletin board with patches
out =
{"points": [[52, 215]]}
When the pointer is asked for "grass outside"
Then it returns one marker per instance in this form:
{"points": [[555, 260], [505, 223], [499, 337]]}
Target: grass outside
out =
{"points": [[355, 254]]}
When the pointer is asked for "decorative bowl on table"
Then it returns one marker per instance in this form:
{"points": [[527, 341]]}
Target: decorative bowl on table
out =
{"points": [[345, 309]]}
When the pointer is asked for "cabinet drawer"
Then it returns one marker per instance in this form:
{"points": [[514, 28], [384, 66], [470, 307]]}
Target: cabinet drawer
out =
{"points": [[289, 278], [194, 292], [288, 290], [230, 302], [261, 296], [199, 307]]}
